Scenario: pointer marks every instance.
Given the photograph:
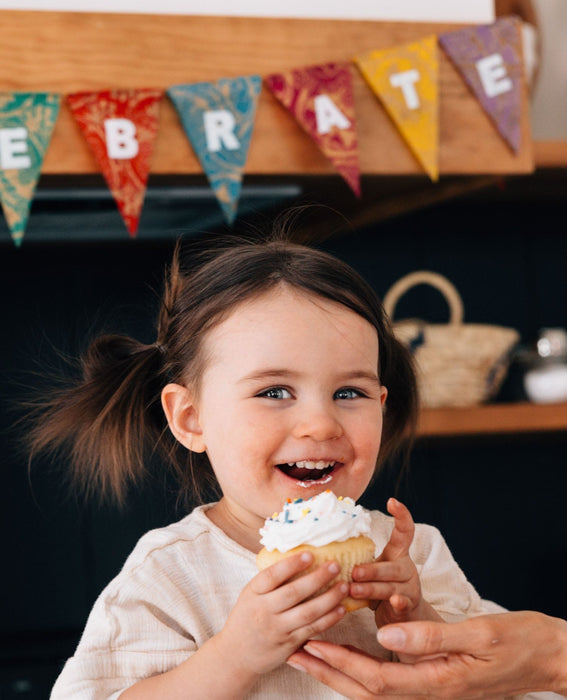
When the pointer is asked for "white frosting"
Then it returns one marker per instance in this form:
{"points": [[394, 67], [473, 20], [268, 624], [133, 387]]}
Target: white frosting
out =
{"points": [[316, 521]]}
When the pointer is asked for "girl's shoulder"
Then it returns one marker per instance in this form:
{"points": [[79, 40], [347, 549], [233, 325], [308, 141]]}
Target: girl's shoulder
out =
{"points": [[171, 540]]}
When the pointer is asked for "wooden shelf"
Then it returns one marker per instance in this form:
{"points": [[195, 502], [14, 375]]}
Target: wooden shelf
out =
{"points": [[75, 51], [493, 419], [550, 154]]}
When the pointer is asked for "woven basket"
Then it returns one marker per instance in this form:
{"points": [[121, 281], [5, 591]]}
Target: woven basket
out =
{"points": [[458, 364]]}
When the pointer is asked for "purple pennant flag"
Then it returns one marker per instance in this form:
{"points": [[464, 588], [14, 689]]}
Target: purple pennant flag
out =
{"points": [[489, 59]]}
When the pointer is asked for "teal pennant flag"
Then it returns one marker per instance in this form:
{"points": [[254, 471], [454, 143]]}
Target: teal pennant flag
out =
{"points": [[26, 124], [218, 119]]}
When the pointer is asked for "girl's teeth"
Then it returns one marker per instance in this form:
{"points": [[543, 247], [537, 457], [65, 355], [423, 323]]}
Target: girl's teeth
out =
{"points": [[306, 464]]}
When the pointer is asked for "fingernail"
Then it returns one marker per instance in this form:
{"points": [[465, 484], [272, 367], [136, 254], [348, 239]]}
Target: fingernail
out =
{"points": [[334, 568], [392, 637], [344, 588], [306, 557], [296, 666], [311, 650]]}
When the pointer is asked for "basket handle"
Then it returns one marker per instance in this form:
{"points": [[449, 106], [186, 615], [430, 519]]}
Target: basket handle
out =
{"points": [[434, 279]]}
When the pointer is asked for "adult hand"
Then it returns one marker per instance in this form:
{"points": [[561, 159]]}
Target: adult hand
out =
{"points": [[491, 655]]}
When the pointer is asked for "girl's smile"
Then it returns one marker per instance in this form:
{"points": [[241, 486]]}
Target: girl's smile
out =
{"points": [[289, 404]]}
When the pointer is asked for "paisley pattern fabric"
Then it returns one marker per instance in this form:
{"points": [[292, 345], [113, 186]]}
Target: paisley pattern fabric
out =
{"points": [[236, 100], [126, 177], [298, 90], [466, 47], [36, 113], [405, 79]]}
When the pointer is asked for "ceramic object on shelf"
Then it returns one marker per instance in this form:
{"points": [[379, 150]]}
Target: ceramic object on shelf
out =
{"points": [[545, 378], [546, 384]]}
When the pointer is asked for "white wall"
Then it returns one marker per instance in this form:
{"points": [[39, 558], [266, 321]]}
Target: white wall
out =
{"points": [[476, 11], [549, 103]]}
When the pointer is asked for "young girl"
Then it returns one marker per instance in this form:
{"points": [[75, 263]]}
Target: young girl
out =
{"points": [[275, 364]]}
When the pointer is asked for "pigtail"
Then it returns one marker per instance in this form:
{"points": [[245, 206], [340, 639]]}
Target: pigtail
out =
{"points": [[109, 420]]}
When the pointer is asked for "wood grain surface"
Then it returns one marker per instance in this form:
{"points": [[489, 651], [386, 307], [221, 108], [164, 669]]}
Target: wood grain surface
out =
{"points": [[67, 52]]}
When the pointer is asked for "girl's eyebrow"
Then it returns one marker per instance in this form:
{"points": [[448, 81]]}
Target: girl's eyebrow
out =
{"points": [[360, 374], [269, 373], [273, 373]]}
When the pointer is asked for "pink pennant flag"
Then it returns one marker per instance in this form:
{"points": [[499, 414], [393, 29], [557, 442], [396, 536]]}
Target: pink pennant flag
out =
{"points": [[120, 127], [321, 99], [489, 59]]}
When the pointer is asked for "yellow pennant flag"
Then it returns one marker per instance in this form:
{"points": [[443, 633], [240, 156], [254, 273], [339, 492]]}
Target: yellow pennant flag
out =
{"points": [[405, 79]]}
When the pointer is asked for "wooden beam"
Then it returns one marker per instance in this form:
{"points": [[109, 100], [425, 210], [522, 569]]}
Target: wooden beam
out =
{"points": [[67, 52]]}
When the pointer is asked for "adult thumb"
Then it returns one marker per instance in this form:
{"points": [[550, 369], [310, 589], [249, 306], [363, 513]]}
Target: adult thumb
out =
{"points": [[420, 638]]}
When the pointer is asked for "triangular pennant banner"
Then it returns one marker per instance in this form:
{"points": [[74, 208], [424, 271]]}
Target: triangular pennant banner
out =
{"points": [[405, 79], [218, 119], [26, 124], [120, 127], [321, 99], [489, 59]]}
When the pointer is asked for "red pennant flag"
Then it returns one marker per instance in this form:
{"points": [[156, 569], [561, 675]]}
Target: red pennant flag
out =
{"points": [[120, 127], [321, 99]]}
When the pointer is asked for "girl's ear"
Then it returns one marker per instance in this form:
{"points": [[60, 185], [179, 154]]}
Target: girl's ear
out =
{"points": [[182, 416]]}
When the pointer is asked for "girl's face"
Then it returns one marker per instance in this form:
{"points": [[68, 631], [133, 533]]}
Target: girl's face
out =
{"points": [[290, 404]]}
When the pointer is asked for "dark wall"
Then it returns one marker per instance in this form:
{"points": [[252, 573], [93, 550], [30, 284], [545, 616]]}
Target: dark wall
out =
{"points": [[498, 501]]}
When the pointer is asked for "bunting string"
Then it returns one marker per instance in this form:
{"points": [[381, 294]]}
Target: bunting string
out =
{"points": [[120, 126]]}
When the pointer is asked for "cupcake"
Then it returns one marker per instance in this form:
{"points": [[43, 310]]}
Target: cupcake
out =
{"points": [[328, 527]]}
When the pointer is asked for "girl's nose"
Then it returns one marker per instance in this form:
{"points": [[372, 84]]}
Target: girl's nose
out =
{"points": [[317, 423]]}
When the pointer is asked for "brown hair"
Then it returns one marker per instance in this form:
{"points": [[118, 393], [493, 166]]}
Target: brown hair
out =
{"points": [[111, 421]]}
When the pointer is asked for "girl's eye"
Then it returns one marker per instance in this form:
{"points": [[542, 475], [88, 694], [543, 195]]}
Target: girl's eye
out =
{"points": [[347, 393], [275, 392]]}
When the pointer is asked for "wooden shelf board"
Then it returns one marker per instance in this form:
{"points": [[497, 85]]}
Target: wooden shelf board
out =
{"points": [[493, 419], [75, 51], [550, 154]]}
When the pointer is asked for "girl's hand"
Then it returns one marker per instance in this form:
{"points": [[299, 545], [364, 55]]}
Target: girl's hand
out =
{"points": [[392, 581], [273, 617]]}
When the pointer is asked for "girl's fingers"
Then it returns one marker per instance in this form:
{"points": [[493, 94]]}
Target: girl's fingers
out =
{"points": [[375, 590], [285, 590], [400, 603], [303, 587], [402, 534], [318, 614], [274, 576], [396, 570]]}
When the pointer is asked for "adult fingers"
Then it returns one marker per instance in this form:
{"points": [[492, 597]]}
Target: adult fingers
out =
{"points": [[402, 534], [357, 675], [423, 637], [331, 676]]}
